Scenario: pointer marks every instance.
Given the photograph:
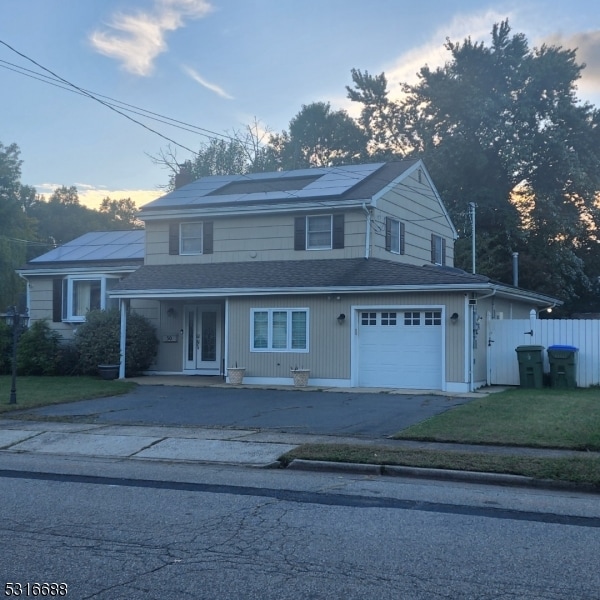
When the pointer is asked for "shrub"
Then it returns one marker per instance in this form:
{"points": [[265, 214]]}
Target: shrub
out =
{"points": [[37, 351], [97, 341]]}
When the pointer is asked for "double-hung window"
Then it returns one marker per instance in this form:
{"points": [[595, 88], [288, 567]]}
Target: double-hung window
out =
{"points": [[279, 330], [438, 250], [190, 238], [394, 236], [76, 296], [318, 232]]}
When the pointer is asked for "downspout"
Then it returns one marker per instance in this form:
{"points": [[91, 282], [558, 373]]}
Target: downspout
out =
{"points": [[368, 231], [123, 337]]}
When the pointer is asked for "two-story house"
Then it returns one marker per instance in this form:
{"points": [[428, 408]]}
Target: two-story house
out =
{"points": [[346, 271]]}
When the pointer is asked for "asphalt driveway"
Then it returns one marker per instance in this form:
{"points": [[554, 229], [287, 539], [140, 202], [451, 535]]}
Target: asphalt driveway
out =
{"points": [[370, 415]]}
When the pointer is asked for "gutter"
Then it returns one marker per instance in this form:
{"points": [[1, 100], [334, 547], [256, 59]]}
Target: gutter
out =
{"points": [[189, 212], [368, 230]]}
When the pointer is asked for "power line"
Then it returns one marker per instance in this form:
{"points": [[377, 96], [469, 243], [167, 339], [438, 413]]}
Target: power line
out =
{"points": [[93, 97], [114, 102]]}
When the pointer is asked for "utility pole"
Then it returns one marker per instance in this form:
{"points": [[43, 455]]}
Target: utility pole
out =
{"points": [[472, 214]]}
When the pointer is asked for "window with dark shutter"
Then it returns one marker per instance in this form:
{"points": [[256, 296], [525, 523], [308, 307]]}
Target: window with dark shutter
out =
{"points": [[173, 238], [57, 303], [338, 231], [300, 233]]}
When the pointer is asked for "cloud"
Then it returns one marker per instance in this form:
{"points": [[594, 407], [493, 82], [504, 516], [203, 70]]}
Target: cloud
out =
{"points": [[210, 86], [137, 39]]}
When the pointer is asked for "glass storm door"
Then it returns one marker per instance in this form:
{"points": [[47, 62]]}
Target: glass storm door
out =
{"points": [[203, 339]]}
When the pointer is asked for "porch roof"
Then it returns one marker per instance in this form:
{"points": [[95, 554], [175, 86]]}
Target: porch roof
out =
{"points": [[301, 276]]}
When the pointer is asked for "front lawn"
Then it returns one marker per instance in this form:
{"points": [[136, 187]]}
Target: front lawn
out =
{"points": [[41, 391], [547, 418]]}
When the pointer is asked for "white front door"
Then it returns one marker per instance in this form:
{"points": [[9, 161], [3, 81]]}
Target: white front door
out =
{"points": [[203, 339]]}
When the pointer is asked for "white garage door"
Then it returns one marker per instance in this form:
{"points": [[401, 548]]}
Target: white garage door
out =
{"points": [[400, 349]]}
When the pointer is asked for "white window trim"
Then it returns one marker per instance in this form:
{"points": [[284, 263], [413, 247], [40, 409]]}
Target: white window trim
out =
{"points": [[307, 245], [67, 308], [270, 312], [438, 250], [394, 224], [181, 238]]}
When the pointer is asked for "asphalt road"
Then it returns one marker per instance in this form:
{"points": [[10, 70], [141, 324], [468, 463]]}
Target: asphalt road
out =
{"points": [[312, 412], [188, 532]]}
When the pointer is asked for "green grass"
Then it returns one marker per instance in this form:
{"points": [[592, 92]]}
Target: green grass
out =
{"points": [[564, 419], [580, 469], [537, 418], [42, 391]]}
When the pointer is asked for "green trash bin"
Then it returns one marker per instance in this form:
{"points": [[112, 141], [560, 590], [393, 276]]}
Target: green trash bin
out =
{"points": [[531, 366], [563, 366]]}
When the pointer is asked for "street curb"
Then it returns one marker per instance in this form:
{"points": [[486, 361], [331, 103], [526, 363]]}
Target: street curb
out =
{"points": [[300, 464], [440, 474]]}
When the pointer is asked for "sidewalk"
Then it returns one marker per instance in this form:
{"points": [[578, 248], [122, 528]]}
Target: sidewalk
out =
{"points": [[234, 447]]}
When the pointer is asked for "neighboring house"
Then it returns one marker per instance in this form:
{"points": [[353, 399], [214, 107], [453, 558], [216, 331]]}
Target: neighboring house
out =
{"points": [[346, 271]]}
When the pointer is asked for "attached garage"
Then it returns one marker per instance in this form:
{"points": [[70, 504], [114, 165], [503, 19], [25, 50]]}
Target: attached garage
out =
{"points": [[400, 348]]}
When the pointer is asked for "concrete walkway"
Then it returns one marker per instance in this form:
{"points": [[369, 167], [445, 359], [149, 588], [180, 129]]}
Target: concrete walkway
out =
{"points": [[237, 447]]}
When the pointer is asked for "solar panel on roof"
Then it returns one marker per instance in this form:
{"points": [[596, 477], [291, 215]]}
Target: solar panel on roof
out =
{"points": [[264, 187], [97, 246]]}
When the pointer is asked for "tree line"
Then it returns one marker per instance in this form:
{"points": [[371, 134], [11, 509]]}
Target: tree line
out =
{"points": [[31, 225], [498, 125]]}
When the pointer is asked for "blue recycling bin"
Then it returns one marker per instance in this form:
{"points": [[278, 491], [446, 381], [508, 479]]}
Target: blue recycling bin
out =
{"points": [[563, 366]]}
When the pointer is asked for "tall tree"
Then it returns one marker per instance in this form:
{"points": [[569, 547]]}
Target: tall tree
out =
{"points": [[319, 136], [244, 151], [122, 214], [501, 126], [15, 227]]}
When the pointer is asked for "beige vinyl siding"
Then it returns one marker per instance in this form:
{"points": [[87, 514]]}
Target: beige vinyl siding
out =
{"points": [[329, 355], [40, 305], [416, 205], [329, 342], [264, 237]]}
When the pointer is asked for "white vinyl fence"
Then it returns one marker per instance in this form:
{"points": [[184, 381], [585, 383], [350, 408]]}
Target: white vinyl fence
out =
{"points": [[505, 335]]}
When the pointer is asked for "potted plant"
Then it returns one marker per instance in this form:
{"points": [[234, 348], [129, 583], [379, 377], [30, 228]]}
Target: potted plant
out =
{"points": [[236, 374], [109, 365], [300, 376]]}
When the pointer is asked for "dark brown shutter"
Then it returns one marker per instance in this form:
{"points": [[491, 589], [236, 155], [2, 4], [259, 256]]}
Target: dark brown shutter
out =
{"points": [[388, 234], [173, 238], [57, 288], [338, 231], [443, 251], [300, 233], [207, 237], [433, 248], [401, 237]]}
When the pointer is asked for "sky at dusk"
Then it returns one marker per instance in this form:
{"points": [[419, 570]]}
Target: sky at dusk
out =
{"points": [[214, 66]]}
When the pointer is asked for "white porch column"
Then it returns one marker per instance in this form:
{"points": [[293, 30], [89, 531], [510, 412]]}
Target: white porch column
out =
{"points": [[123, 306]]}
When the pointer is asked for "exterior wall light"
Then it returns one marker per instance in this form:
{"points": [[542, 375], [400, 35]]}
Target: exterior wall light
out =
{"points": [[341, 318], [454, 318]]}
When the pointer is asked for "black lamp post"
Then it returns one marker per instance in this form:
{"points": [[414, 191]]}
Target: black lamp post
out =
{"points": [[17, 322]]}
